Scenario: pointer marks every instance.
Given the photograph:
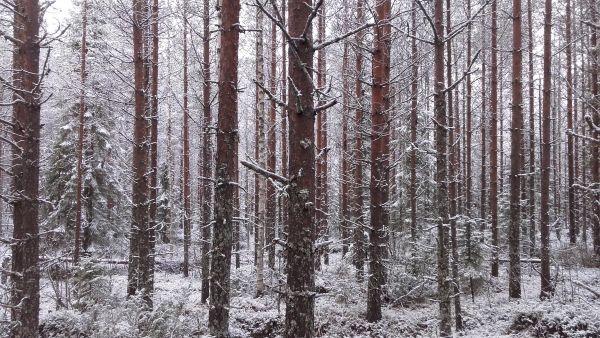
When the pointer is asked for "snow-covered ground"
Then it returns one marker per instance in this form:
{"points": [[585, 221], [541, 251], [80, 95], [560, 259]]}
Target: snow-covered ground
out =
{"points": [[340, 311]]}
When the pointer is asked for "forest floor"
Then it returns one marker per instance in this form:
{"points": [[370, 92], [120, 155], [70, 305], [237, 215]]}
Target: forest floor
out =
{"points": [[574, 311]]}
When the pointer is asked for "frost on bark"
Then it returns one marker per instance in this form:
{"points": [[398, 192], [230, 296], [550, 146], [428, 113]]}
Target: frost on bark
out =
{"points": [[441, 174], [380, 151], [260, 151], [226, 169], [494, 139], [299, 319], [25, 167], [546, 285], [139, 253], [358, 199], [81, 132], [187, 209], [207, 185], [516, 133], [271, 216]]}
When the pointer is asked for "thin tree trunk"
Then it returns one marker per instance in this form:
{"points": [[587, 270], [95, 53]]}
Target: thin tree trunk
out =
{"points": [[25, 277], [226, 169], [441, 174], [595, 151], [570, 150], [153, 143], [546, 288], [322, 145], [454, 158], [494, 140], [414, 87], [260, 145], [344, 176], [187, 212], [359, 237], [271, 155], [81, 131], [532, 169], [515, 155], [206, 153]]}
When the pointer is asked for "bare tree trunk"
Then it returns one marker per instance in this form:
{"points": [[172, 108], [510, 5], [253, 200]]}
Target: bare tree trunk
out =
{"points": [[322, 187], [206, 153], [261, 196], [483, 130], [359, 237], [226, 169], [284, 121], [595, 151], [494, 140], [138, 250], [453, 170], [380, 152], [414, 88], [441, 173], [570, 150], [81, 136], [299, 319], [515, 156], [153, 224], [187, 212], [546, 288], [532, 175], [25, 276], [344, 175], [271, 155]]}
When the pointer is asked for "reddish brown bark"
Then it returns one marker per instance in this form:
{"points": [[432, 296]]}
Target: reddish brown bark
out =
{"points": [[226, 169], [532, 176], [380, 152], [516, 134], [139, 246], [25, 168], [546, 286]]}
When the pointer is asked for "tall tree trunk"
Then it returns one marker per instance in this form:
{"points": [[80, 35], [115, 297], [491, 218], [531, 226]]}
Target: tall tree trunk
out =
{"points": [[344, 176], [226, 169], [271, 155], [322, 188], [81, 131], [453, 170], [206, 153], [441, 173], [494, 140], [359, 237], [187, 212], [570, 150], [546, 289], [284, 121], [531, 134], [299, 319], [595, 151], [484, 125], [139, 246], [261, 196], [380, 152], [153, 224], [414, 88], [25, 276], [516, 134]]}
